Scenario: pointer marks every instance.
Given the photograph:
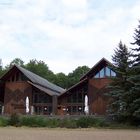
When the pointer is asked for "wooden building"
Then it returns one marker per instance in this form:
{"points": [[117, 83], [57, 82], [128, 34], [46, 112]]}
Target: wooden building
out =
{"points": [[46, 98], [18, 84], [93, 84]]}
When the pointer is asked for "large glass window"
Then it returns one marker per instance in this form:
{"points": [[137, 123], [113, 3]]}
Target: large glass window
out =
{"points": [[105, 72], [75, 98], [102, 73], [23, 78], [97, 75], [44, 110], [42, 98], [113, 73], [74, 108], [80, 98]]}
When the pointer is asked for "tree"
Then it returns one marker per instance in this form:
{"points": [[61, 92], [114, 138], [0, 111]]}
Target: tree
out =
{"points": [[75, 76], [16, 61], [61, 80], [0, 67], [135, 77], [118, 89], [41, 69]]}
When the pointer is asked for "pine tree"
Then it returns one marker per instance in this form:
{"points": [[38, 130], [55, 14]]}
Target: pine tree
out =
{"points": [[135, 77], [118, 89]]}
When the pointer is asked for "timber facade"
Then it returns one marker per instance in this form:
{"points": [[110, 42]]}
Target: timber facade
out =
{"points": [[19, 83], [46, 98], [93, 84]]}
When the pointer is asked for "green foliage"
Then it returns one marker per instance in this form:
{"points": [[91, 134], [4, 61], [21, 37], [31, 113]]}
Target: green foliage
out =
{"points": [[134, 78], [2, 71], [3, 121], [61, 80], [85, 122], [16, 61], [118, 89], [67, 123], [75, 76], [33, 121], [14, 120], [82, 122], [41, 69]]}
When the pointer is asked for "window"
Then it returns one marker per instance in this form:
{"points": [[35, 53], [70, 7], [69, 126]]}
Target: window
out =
{"points": [[80, 109], [97, 75], [113, 74], [45, 110], [42, 98], [50, 109], [13, 78], [102, 73], [23, 78], [75, 98], [105, 72], [74, 109], [80, 98], [17, 76], [69, 109]]}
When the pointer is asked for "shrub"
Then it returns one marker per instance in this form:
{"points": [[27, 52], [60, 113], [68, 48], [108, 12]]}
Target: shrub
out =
{"points": [[33, 121], [68, 123], [52, 123], [14, 120], [85, 122], [3, 121]]}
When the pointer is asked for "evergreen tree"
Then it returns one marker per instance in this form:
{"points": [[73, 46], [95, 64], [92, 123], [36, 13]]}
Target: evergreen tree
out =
{"points": [[118, 89], [135, 77]]}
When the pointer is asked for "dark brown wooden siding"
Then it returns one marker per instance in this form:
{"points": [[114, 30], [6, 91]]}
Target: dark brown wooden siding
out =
{"points": [[97, 100], [15, 96], [1, 92]]}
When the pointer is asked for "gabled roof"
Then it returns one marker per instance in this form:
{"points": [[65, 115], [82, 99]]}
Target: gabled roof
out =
{"points": [[93, 71], [75, 86], [38, 81], [98, 66], [44, 89]]}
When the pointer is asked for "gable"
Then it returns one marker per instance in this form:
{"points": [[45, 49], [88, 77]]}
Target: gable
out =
{"points": [[14, 75], [19, 73], [99, 70]]}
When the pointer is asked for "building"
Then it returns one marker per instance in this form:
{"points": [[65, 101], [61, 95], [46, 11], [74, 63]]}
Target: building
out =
{"points": [[93, 84], [46, 98], [18, 84]]}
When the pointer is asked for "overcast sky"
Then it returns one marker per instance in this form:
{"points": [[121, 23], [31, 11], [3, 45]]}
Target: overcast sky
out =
{"points": [[65, 33]]}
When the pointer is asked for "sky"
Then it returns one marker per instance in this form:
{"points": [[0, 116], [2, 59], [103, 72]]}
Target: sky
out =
{"points": [[65, 34]]}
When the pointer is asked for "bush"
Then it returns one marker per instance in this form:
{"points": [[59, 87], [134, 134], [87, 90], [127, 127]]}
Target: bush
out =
{"points": [[85, 122], [41, 121], [14, 120], [52, 123], [68, 123], [33, 121], [3, 121]]}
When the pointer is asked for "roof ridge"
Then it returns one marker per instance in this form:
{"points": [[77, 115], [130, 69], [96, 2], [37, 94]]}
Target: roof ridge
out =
{"points": [[95, 66], [40, 80]]}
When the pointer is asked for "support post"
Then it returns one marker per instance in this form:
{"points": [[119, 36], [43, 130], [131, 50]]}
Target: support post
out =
{"points": [[54, 105]]}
